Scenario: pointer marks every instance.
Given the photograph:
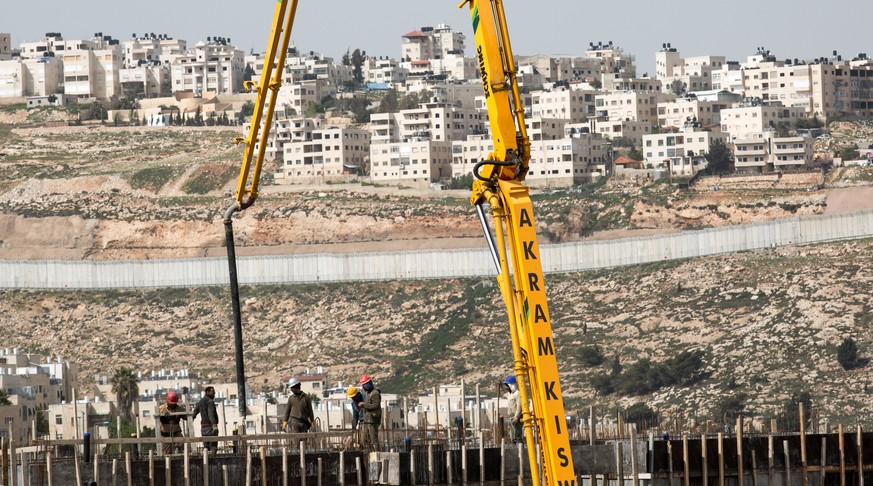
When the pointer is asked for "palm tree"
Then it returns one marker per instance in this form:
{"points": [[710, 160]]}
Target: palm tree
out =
{"points": [[126, 389], [4, 397]]}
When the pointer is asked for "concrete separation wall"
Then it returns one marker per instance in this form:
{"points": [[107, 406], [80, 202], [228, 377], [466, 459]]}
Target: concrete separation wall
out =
{"points": [[428, 264]]}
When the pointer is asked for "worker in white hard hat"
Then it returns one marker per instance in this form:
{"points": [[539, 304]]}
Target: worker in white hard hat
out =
{"points": [[298, 412]]}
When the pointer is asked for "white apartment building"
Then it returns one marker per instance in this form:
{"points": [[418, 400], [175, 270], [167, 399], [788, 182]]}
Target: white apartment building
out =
{"points": [[611, 129], [456, 67], [53, 44], [468, 152], [453, 94], [768, 153], [31, 77], [569, 104], [90, 67], [824, 89], [560, 157], [750, 120], [614, 83], [145, 80], [681, 152], [613, 60], [729, 78], [325, 154], [417, 163], [434, 121], [305, 67], [432, 43], [678, 112], [631, 105], [575, 159], [146, 68], [475, 148], [692, 74], [33, 383], [300, 95], [5, 46], [151, 48], [383, 70], [560, 68], [212, 66], [71, 420]]}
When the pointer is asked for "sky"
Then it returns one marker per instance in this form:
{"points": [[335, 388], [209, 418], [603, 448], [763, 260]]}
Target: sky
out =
{"points": [[788, 28]]}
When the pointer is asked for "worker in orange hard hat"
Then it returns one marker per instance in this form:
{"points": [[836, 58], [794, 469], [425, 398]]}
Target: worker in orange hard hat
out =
{"points": [[171, 414], [372, 406]]}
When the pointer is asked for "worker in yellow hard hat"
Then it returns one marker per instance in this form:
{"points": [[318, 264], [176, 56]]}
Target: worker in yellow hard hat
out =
{"points": [[356, 397]]}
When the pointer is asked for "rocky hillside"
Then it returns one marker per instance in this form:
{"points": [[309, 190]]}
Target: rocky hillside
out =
{"points": [[762, 326], [767, 325]]}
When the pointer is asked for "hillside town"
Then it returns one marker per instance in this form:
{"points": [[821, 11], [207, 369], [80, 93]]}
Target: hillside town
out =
{"points": [[420, 120], [774, 128]]}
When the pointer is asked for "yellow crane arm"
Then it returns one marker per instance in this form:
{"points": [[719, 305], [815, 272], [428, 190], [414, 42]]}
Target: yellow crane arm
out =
{"points": [[499, 184], [270, 82]]}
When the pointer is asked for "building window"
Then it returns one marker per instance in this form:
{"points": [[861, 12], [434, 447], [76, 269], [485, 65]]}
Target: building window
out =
{"points": [[59, 419]]}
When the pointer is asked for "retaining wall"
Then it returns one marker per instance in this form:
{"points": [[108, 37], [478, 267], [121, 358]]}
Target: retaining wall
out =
{"points": [[428, 264]]}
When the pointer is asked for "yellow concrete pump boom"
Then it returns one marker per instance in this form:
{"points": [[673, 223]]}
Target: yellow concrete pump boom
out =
{"points": [[247, 188], [498, 182], [270, 82]]}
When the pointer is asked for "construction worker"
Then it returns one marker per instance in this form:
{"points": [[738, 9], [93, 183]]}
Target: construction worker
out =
{"points": [[298, 411], [513, 409], [356, 397], [171, 416], [372, 406], [208, 417]]}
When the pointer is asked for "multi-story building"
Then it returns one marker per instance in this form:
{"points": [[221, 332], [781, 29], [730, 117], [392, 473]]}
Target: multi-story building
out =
{"points": [[614, 83], [631, 105], [432, 43], [383, 70], [768, 152], [417, 162], [560, 156], [33, 383], [149, 79], [681, 152], [612, 129], [678, 112], [679, 75], [300, 95], [212, 66], [613, 59], [434, 121], [561, 68], [150, 48], [90, 67], [71, 420], [146, 66], [308, 66], [325, 155], [568, 104], [824, 88], [752, 119], [30, 77], [577, 158]]}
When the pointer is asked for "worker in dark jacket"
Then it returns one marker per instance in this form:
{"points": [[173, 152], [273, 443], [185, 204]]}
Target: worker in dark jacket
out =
{"points": [[372, 406], [357, 412], [208, 417], [298, 412]]}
